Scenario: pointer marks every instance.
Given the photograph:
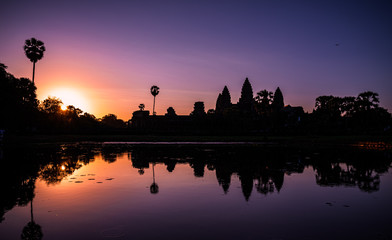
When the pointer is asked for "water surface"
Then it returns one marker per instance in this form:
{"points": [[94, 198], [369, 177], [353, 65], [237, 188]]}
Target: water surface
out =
{"points": [[122, 191]]}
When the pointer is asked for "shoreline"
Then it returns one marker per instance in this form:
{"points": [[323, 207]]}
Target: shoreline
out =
{"points": [[193, 139]]}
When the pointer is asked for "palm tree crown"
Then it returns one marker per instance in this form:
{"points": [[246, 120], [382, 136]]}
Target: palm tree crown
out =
{"points": [[34, 49], [154, 90]]}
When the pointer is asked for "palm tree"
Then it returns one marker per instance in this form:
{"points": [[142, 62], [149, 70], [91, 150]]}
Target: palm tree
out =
{"points": [[154, 188], [34, 50], [32, 230], [154, 91], [264, 99]]}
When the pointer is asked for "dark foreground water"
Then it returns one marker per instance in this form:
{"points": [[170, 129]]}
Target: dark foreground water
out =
{"points": [[118, 191]]}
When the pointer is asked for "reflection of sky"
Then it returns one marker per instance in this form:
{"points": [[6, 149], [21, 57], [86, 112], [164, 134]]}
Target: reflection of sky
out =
{"points": [[187, 207], [114, 52]]}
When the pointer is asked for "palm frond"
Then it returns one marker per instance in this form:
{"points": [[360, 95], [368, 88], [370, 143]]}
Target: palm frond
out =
{"points": [[34, 49]]}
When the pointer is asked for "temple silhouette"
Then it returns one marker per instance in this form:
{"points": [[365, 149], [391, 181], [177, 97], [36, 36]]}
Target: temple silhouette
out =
{"points": [[249, 114]]}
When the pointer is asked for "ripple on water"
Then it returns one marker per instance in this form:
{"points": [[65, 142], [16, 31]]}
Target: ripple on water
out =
{"points": [[114, 232]]}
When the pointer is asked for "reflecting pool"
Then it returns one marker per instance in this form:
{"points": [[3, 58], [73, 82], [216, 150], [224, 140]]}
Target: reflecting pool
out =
{"points": [[195, 191]]}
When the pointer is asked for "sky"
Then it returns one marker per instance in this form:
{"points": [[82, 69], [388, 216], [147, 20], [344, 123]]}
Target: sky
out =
{"points": [[103, 56]]}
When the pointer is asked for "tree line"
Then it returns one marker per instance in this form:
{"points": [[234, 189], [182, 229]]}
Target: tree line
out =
{"points": [[21, 111], [358, 114]]}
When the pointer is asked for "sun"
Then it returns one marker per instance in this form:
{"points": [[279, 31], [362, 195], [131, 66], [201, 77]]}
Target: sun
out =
{"points": [[70, 96]]}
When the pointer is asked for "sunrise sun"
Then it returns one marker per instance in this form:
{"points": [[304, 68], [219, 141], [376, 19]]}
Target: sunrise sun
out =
{"points": [[70, 96]]}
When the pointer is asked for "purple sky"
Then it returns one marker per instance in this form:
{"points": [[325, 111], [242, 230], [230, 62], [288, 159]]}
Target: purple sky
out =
{"points": [[113, 51]]}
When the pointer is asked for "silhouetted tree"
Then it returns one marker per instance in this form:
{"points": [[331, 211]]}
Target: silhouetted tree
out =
{"points": [[329, 104], [367, 114], [264, 100], [88, 122], [171, 112], [347, 106], [73, 111], [51, 105], [361, 113], [3, 72], [111, 120], [18, 102], [327, 114], [366, 101], [154, 91], [141, 106], [34, 50]]}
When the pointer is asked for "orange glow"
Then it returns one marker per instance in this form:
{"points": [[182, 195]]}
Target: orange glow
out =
{"points": [[62, 167], [70, 96], [382, 146]]}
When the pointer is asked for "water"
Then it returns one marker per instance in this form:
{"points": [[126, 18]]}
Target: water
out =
{"points": [[246, 191]]}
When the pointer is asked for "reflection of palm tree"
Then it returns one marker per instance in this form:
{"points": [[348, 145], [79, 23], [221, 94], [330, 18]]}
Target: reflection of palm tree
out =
{"points": [[140, 171], [32, 231], [154, 91], [154, 189], [34, 50]]}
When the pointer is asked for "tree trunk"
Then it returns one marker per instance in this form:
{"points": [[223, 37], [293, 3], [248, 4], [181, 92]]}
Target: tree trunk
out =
{"points": [[31, 210], [153, 108], [153, 173], [33, 70]]}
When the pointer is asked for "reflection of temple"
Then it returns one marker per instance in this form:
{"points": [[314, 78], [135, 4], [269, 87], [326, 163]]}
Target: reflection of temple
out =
{"points": [[265, 170], [266, 178]]}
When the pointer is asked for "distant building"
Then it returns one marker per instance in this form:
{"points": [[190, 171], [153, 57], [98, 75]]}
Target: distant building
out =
{"points": [[227, 117], [223, 102], [293, 114], [246, 102], [198, 110], [278, 103], [139, 119]]}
